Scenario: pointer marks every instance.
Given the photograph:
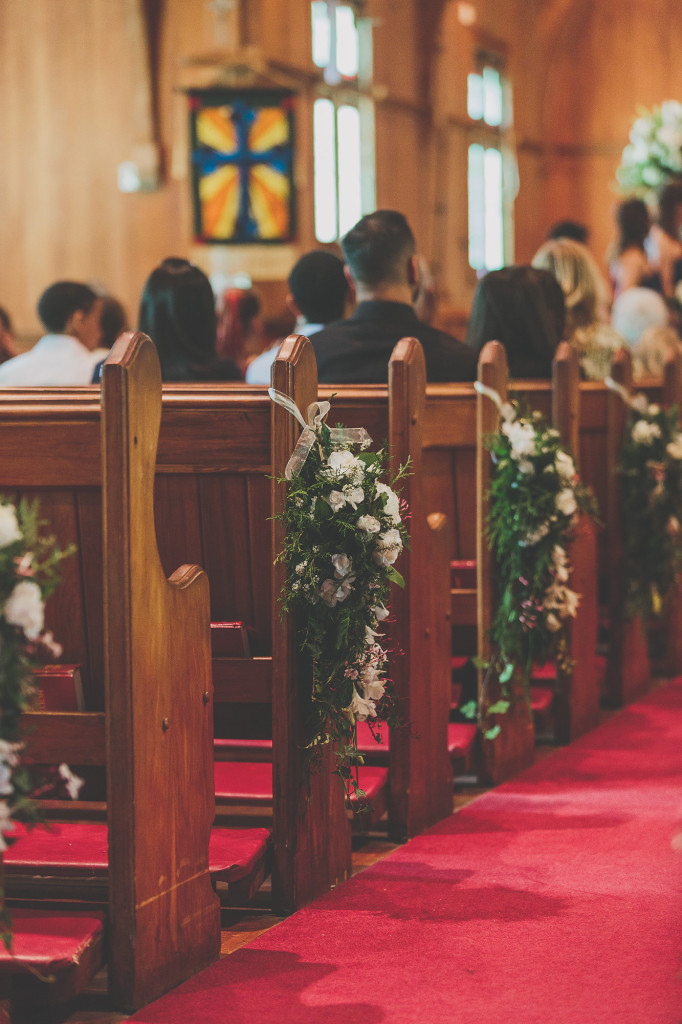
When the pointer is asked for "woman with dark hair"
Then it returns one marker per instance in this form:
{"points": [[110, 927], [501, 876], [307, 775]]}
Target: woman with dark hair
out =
{"points": [[522, 308], [664, 245], [177, 312], [628, 263]]}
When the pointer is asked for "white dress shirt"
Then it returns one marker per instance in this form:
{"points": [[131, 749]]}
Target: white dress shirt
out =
{"points": [[57, 359], [258, 370]]}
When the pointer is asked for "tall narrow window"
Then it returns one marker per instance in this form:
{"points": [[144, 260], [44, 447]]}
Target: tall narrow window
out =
{"points": [[490, 241], [343, 123]]}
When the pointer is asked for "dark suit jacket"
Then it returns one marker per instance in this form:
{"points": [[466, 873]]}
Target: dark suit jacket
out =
{"points": [[357, 350]]}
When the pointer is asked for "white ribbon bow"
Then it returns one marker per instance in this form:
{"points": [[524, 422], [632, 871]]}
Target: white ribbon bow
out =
{"points": [[316, 413]]}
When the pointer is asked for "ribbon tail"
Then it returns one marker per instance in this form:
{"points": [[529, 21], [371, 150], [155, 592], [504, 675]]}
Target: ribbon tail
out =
{"points": [[300, 453], [279, 399], [490, 393], [612, 385]]}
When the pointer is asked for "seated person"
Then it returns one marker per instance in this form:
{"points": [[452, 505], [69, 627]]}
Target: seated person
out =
{"points": [[382, 267], [641, 317], [8, 343], [240, 326], [66, 355], [587, 298], [113, 321], [177, 311], [629, 262], [523, 309], [569, 229], [317, 296]]}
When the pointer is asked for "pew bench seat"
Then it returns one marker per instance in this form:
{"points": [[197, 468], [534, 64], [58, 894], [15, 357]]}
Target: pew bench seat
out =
{"points": [[80, 850], [64, 948]]}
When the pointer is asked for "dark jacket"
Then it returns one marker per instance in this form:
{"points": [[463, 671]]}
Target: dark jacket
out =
{"points": [[357, 350]]}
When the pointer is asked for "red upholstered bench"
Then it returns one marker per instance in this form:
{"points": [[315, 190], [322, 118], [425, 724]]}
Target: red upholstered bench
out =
{"points": [[374, 783], [80, 850], [66, 948]]}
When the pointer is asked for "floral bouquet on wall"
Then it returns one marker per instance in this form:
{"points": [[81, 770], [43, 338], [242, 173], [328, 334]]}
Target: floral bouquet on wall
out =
{"points": [[344, 532], [650, 475], [654, 154], [28, 575], [534, 499]]}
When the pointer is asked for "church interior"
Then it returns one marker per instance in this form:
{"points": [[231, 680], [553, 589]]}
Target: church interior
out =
{"points": [[519, 863]]}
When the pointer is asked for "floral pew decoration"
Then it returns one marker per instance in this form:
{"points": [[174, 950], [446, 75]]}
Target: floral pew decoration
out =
{"points": [[534, 501], [344, 531], [649, 470], [29, 563]]}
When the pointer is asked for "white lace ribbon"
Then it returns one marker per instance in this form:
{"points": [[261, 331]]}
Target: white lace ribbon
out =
{"points": [[316, 413], [633, 403], [506, 409]]}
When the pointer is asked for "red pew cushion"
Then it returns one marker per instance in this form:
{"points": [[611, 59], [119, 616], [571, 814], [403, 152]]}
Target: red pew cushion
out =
{"points": [[463, 574], [243, 782], [52, 941], [81, 849], [541, 698], [461, 736]]}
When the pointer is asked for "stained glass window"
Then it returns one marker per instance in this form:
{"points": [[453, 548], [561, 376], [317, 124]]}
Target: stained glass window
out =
{"points": [[242, 155]]}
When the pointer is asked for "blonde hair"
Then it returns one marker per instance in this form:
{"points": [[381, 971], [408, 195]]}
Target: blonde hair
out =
{"points": [[585, 290], [650, 352]]}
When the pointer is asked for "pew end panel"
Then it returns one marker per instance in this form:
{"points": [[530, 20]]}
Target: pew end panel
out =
{"points": [[420, 769], [512, 749], [159, 708], [311, 834]]}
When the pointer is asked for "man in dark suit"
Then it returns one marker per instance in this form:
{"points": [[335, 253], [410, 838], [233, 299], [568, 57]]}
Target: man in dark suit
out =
{"points": [[382, 268]]}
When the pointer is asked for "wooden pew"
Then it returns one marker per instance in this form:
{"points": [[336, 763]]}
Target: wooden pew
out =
{"points": [[213, 504], [163, 915]]}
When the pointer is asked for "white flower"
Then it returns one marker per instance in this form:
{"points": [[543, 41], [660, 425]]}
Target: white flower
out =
{"points": [[571, 602], [353, 495], [674, 449], [6, 824], [9, 752], [565, 465], [392, 504], [6, 787], [654, 409], [553, 624], [565, 501], [301, 567], [342, 565], [645, 433], [360, 708], [380, 612], [373, 686], [535, 536], [526, 467], [73, 782], [673, 526], [24, 608], [9, 527], [332, 591], [640, 404], [507, 412], [337, 500], [344, 464], [388, 547], [521, 435], [48, 641], [368, 524]]}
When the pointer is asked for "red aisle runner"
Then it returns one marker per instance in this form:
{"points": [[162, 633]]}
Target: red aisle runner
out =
{"points": [[555, 899]]}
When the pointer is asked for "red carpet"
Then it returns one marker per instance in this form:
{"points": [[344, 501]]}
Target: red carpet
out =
{"points": [[555, 899]]}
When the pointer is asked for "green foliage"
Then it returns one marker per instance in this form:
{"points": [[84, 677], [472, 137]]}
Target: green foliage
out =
{"points": [[343, 533], [650, 491], [534, 497]]}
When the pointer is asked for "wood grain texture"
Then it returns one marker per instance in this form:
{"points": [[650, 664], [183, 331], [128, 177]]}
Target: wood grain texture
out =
{"points": [[164, 916], [311, 837]]}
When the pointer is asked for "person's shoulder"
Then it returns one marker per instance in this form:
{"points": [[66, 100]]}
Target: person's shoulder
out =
{"points": [[447, 358]]}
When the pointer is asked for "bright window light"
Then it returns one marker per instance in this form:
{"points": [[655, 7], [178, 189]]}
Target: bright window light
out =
{"points": [[476, 208], [350, 170], [475, 97], [492, 96], [493, 207], [321, 33], [346, 42], [324, 144]]}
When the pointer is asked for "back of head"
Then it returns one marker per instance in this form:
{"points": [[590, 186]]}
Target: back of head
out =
{"points": [[177, 312], [633, 221], [240, 312], [669, 207], [318, 286], [523, 309], [377, 249], [637, 309], [113, 321], [577, 273], [569, 229], [60, 301]]}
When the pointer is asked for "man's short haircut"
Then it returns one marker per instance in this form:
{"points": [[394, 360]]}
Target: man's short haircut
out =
{"points": [[318, 286], [572, 229], [378, 247], [60, 301]]}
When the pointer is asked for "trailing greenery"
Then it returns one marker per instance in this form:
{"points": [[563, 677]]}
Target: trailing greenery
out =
{"points": [[650, 491], [29, 573], [344, 531], [535, 496]]}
